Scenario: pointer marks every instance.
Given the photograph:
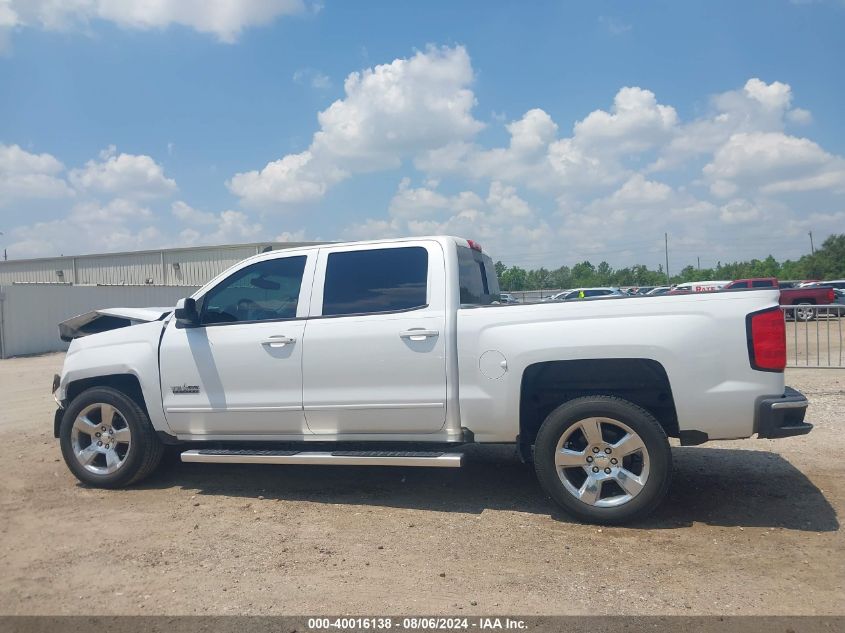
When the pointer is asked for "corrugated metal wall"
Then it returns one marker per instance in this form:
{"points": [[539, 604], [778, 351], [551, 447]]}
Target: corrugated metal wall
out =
{"points": [[30, 314], [119, 270], [37, 271], [198, 267], [195, 266]]}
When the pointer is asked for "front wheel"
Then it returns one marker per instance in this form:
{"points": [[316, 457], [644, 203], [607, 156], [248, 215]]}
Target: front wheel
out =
{"points": [[603, 459], [107, 440]]}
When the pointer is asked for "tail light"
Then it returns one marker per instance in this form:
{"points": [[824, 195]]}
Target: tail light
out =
{"points": [[831, 296], [766, 333]]}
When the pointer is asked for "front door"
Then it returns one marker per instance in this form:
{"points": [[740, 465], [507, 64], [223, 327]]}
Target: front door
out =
{"points": [[240, 371], [375, 349]]}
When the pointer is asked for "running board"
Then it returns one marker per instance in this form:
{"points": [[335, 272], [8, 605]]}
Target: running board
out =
{"points": [[430, 459]]}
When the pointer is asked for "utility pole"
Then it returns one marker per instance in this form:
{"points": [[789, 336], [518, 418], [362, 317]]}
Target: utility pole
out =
{"points": [[812, 248], [666, 241], [699, 263], [5, 257]]}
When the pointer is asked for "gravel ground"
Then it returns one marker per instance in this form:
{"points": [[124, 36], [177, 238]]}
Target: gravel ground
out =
{"points": [[750, 527]]}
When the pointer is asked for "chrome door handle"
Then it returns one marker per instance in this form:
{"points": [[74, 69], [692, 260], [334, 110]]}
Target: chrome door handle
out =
{"points": [[418, 334], [279, 340]]}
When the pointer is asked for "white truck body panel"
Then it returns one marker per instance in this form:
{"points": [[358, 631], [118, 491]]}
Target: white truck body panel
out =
{"points": [[698, 339]]}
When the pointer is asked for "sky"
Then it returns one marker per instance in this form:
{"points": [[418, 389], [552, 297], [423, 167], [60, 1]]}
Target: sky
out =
{"points": [[551, 132]]}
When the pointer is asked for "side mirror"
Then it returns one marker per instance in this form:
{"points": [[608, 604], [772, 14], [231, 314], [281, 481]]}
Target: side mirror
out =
{"points": [[186, 313]]}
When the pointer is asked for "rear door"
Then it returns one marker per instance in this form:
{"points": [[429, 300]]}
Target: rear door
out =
{"points": [[375, 352]]}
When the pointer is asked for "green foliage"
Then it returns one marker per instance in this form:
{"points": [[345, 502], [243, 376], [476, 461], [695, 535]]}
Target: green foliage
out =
{"points": [[827, 263]]}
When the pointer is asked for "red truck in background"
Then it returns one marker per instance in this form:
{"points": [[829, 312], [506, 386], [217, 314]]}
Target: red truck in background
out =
{"points": [[806, 296]]}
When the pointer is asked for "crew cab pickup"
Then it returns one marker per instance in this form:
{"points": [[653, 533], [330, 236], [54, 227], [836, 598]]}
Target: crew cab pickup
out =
{"points": [[399, 353], [789, 296]]}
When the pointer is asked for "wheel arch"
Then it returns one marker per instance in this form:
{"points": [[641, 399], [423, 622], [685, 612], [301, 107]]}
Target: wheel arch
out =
{"points": [[547, 385], [127, 384]]}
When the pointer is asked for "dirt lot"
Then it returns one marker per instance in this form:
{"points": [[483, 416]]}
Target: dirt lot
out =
{"points": [[749, 528]]}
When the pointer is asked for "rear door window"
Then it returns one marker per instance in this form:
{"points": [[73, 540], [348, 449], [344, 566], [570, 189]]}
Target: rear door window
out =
{"points": [[376, 280]]}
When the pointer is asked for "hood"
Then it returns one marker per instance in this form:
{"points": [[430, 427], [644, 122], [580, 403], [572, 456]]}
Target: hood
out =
{"points": [[108, 319]]}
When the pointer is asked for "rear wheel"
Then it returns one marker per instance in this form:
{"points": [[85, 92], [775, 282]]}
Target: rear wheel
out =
{"points": [[805, 312], [107, 439], [603, 459]]}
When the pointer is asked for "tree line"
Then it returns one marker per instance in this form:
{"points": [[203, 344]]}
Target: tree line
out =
{"points": [[828, 262]]}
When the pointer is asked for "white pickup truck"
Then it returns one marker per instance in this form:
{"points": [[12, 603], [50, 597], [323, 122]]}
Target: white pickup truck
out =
{"points": [[398, 352]]}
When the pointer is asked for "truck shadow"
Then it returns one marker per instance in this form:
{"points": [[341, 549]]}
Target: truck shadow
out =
{"points": [[715, 486]]}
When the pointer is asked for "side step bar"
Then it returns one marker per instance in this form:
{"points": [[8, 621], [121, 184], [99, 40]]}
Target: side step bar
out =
{"points": [[430, 459]]}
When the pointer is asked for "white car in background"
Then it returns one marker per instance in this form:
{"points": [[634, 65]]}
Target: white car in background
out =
{"points": [[587, 293], [701, 286]]}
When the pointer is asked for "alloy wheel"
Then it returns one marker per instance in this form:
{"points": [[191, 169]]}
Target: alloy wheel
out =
{"points": [[101, 438], [602, 462]]}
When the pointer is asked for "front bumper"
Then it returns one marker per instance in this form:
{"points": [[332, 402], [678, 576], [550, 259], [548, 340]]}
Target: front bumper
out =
{"points": [[782, 416]]}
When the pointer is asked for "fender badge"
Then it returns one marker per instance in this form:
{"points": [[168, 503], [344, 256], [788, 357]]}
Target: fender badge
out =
{"points": [[180, 389]]}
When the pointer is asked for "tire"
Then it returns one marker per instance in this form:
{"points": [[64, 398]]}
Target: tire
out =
{"points": [[615, 484], [128, 449]]}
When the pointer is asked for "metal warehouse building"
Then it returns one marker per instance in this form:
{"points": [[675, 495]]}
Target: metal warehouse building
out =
{"points": [[37, 294], [167, 267]]}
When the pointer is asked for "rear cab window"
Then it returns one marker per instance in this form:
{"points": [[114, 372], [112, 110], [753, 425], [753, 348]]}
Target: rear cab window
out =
{"points": [[477, 279]]}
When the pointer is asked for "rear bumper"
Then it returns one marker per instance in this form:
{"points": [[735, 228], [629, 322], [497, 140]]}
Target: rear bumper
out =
{"points": [[782, 416]]}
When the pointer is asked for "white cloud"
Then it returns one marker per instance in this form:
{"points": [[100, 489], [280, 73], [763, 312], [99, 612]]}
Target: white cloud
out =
{"points": [[189, 215], [389, 113], [636, 122], [24, 175], [593, 157], [126, 175], [799, 116], [772, 163], [291, 236], [204, 227], [225, 19], [65, 236], [756, 107], [116, 211], [614, 26], [739, 211], [314, 78], [501, 219], [292, 179]]}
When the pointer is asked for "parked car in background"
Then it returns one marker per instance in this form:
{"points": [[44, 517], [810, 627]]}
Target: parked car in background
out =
{"points": [[587, 293], [506, 297], [659, 290], [700, 286], [834, 283], [642, 290], [761, 282], [558, 296], [809, 295]]}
